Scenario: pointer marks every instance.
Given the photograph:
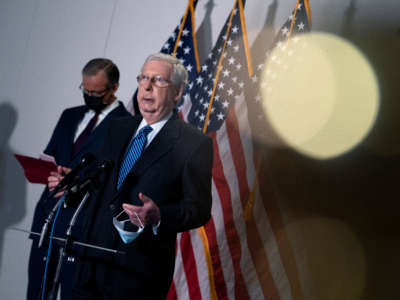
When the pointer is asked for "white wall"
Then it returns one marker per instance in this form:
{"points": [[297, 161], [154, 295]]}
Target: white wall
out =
{"points": [[45, 43]]}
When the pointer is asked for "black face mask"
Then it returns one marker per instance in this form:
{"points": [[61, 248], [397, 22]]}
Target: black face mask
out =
{"points": [[95, 103]]}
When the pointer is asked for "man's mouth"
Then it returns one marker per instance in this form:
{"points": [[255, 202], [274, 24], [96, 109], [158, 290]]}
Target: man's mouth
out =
{"points": [[147, 99]]}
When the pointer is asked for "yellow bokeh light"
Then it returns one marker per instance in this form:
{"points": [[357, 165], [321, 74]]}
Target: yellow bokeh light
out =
{"points": [[319, 94], [329, 254]]}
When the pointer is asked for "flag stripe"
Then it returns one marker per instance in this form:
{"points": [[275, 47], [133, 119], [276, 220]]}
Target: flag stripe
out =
{"points": [[172, 295], [172, 292], [226, 273], [239, 163], [219, 280], [271, 250], [277, 246], [190, 266], [284, 247], [260, 236], [180, 282], [261, 264], [230, 226], [206, 249], [246, 263], [202, 268]]}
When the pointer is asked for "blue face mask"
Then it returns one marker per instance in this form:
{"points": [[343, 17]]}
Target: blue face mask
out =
{"points": [[126, 236]]}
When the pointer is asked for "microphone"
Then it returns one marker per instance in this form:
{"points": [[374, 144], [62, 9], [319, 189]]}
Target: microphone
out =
{"points": [[102, 167], [47, 222], [86, 159], [67, 180]]}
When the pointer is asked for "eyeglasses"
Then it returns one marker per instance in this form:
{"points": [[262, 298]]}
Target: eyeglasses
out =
{"points": [[157, 80], [93, 93]]}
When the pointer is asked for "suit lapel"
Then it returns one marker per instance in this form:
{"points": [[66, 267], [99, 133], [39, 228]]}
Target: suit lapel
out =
{"points": [[161, 145], [98, 130]]}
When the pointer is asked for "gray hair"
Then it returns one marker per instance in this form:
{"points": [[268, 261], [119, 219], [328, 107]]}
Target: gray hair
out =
{"points": [[179, 75], [96, 65]]}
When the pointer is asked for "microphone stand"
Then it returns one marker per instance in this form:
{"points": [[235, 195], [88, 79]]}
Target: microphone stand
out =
{"points": [[62, 240], [68, 241], [49, 219], [63, 251], [47, 222]]}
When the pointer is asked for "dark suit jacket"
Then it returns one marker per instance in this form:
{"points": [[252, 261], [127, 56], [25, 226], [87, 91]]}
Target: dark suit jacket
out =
{"points": [[61, 147], [175, 172]]}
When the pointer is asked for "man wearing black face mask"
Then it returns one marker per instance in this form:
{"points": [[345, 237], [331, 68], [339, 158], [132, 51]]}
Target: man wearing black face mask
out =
{"points": [[79, 130]]}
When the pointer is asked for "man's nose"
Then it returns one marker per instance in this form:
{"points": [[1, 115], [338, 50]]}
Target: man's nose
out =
{"points": [[147, 85]]}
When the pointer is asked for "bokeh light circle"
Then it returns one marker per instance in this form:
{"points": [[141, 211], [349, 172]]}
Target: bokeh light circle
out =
{"points": [[320, 94]]}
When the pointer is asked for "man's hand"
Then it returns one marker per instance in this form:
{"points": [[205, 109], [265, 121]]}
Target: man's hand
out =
{"points": [[55, 177], [149, 213]]}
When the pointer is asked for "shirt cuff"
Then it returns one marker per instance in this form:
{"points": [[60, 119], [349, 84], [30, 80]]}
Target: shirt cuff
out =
{"points": [[155, 228]]}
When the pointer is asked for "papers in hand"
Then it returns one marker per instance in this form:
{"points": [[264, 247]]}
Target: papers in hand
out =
{"points": [[46, 157], [37, 170]]}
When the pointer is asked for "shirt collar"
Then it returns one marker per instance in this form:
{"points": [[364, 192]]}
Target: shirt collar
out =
{"points": [[157, 125], [109, 107]]}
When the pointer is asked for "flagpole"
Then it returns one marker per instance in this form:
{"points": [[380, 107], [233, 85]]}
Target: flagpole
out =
{"points": [[218, 69], [181, 28], [196, 53], [245, 41], [294, 17], [308, 12]]}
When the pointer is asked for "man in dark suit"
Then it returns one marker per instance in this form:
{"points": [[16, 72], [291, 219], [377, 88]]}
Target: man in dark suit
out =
{"points": [[160, 185], [79, 130]]}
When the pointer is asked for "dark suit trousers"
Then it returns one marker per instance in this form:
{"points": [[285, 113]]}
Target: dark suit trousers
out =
{"points": [[100, 281]]}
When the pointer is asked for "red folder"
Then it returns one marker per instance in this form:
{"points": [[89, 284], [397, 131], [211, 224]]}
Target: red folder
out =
{"points": [[36, 170]]}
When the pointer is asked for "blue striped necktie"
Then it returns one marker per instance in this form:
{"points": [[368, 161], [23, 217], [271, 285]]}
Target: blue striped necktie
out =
{"points": [[133, 152]]}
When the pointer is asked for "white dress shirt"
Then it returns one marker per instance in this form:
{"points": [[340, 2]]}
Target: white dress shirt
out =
{"points": [[90, 114], [157, 126]]}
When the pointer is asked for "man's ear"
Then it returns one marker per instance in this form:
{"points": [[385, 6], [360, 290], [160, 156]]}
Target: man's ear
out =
{"points": [[179, 92], [115, 87]]}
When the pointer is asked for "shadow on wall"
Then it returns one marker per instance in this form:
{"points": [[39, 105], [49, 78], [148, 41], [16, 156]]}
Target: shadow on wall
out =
{"points": [[203, 33], [12, 179]]}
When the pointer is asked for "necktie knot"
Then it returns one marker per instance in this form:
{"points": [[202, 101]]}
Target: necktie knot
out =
{"points": [[145, 130]]}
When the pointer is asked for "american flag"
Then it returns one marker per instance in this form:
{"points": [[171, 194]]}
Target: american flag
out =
{"points": [[298, 22], [243, 258], [249, 258], [239, 253]]}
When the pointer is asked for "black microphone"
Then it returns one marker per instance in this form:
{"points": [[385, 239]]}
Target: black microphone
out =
{"points": [[91, 175], [67, 180], [86, 159]]}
